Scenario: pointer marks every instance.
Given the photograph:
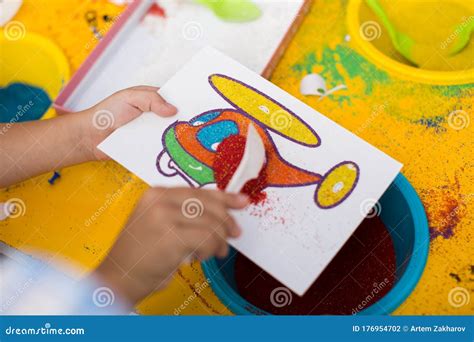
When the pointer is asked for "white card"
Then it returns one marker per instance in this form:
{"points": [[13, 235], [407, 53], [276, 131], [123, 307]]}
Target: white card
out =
{"points": [[320, 175]]}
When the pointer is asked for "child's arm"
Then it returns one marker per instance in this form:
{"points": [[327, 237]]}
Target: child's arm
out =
{"points": [[160, 235], [32, 148], [157, 239]]}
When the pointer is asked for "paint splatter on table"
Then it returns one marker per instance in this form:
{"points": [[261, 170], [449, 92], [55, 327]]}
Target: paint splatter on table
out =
{"points": [[412, 122]]}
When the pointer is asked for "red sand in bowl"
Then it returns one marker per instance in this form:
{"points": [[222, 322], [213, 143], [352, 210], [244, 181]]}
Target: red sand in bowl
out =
{"points": [[228, 156], [361, 273]]}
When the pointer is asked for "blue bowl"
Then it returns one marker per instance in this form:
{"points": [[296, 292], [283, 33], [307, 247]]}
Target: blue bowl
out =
{"points": [[405, 218]]}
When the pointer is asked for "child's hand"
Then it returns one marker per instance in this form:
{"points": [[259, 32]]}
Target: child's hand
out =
{"points": [[35, 147], [117, 110], [167, 228]]}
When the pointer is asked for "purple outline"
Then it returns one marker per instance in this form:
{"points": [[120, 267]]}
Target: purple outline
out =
{"points": [[346, 195], [177, 172], [160, 155], [165, 150], [265, 129], [252, 120], [283, 161], [186, 177], [269, 98], [205, 113]]}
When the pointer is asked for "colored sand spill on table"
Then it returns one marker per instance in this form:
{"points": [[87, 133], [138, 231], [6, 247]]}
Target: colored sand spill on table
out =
{"points": [[448, 206], [426, 105], [361, 273], [228, 156], [340, 64], [393, 130], [22, 102]]}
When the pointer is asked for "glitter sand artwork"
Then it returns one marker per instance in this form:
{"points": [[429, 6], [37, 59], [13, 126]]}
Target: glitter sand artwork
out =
{"points": [[411, 120], [191, 148], [316, 184]]}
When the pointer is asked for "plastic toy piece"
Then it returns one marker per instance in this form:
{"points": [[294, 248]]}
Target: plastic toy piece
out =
{"points": [[401, 42], [462, 38], [233, 10], [315, 84]]}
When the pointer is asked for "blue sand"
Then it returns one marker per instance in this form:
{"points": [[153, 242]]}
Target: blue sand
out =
{"points": [[204, 118], [55, 176], [22, 102], [215, 133]]}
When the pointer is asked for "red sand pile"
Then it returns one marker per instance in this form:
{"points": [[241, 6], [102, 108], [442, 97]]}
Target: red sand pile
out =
{"points": [[228, 156], [360, 274]]}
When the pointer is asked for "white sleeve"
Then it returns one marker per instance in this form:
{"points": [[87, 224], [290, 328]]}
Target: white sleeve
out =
{"points": [[31, 287]]}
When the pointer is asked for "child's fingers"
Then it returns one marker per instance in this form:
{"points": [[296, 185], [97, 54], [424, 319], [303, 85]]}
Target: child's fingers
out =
{"points": [[150, 101], [231, 201], [213, 217], [234, 229], [235, 201], [204, 242], [197, 205], [208, 203], [160, 106]]}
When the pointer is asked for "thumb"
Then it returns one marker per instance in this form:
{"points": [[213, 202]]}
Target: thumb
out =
{"points": [[150, 101]]}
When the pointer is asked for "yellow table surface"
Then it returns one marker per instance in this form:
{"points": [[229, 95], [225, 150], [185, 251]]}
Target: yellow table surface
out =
{"points": [[404, 118]]}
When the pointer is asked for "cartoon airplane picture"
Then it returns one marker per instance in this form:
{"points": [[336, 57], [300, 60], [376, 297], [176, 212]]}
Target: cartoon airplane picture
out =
{"points": [[190, 147]]}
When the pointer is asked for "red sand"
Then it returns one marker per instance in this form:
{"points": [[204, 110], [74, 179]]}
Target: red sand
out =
{"points": [[360, 274], [228, 156]]}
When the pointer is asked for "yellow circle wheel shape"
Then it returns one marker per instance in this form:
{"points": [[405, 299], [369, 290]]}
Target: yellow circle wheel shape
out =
{"points": [[264, 109], [337, 185]]}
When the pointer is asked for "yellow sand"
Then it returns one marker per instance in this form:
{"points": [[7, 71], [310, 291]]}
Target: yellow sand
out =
{"points": [[390, 116]]}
